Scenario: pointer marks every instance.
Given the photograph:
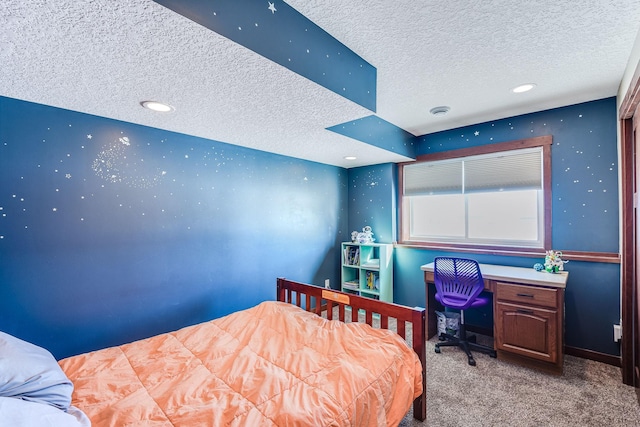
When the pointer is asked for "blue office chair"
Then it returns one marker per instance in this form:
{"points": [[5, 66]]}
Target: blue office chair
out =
{"points": [[458, 285]]}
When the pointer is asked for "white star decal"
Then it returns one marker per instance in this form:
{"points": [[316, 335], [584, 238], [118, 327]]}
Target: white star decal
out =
{"points": [[89, 136], [476, 133], [272, 7]]}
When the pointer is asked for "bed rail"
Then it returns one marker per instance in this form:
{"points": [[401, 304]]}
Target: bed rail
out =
{"points": [[316, 299]]}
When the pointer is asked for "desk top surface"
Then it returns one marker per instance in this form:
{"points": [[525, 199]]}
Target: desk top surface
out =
{"points": [[518, 275]]}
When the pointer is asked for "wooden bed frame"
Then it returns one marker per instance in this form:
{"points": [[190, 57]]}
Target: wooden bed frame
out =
{"points": [[317, 299]]}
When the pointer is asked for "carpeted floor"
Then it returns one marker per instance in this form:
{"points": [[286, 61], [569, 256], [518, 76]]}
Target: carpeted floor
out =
{"points": [[498, 393]]}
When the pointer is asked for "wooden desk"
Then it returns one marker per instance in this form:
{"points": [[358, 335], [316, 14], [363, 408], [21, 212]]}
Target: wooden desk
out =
{"points": [[528, 312]]}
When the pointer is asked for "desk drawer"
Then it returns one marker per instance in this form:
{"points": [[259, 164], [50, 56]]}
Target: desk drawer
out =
{"points": [[545, 297]]}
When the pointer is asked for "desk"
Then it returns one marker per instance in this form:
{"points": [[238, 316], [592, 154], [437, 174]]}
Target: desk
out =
{"points": [[528, 309]]}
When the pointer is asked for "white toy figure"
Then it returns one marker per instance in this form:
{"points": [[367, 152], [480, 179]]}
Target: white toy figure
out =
{"points": [[366, 236], [553, 261]]}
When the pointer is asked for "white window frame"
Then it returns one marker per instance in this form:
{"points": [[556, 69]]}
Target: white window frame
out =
{"points": [[540, 144]]}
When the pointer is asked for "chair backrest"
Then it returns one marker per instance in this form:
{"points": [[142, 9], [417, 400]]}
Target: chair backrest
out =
{"points": [[458, 281]]}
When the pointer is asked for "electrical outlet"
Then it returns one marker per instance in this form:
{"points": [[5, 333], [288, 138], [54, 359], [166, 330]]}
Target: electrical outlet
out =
{"points": [[327, 284], [617, 332]]}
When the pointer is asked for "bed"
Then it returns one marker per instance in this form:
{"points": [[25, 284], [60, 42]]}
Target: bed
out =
{"points": [[283, 362]]}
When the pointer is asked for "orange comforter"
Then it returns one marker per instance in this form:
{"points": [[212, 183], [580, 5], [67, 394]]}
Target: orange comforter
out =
{"points": [[273, 364]]}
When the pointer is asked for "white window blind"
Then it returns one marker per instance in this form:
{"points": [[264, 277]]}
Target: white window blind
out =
{"points": [[443, 177], [512, 170], [515, 170]]}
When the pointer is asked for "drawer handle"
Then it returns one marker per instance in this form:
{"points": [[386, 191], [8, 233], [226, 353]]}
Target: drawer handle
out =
{"points": [[524, 311], [525, 295]]}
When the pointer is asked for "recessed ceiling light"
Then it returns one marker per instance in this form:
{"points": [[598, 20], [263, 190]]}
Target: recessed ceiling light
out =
{"points": [[440, 111], [157, 106], [523, 88], [350, 157]]}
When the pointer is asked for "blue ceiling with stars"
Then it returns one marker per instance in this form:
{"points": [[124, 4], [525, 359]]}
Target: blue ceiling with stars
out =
{"points": [[378, 132], [281, 34]]}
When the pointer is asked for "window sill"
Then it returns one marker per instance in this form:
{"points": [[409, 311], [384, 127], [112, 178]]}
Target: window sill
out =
{"points": [[604, 257]]}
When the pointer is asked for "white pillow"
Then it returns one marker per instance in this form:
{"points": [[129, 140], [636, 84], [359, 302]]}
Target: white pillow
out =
{"points": [[20, 413], [29, 372]]}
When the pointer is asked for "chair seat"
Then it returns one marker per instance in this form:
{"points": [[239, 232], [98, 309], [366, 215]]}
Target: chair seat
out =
{"points": [[459, 284], [461, 303]]}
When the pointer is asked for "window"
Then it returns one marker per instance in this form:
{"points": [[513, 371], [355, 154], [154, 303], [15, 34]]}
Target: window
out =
{"points": [[492, 196]]}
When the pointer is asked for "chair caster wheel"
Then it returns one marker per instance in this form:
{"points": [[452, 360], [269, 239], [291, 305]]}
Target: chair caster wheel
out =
{"points": [[472, 361], [437, 349]]}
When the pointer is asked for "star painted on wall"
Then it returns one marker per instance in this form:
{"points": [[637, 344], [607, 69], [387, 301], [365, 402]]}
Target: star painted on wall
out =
{"points": [[272, 7], [476, 133]]}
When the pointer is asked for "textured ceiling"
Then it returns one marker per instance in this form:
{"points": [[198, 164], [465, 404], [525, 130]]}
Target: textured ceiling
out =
{"points": [[103, 57]]}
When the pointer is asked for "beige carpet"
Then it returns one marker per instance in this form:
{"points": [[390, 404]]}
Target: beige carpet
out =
{"points": [[498, 393]]}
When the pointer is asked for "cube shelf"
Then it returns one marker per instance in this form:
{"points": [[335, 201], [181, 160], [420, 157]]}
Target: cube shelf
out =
{"points": [[367, 270]]}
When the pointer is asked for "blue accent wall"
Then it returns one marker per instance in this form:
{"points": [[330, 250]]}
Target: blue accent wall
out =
{"points": [[111, 231], [584, 162], [372, 200], [584, 218]]}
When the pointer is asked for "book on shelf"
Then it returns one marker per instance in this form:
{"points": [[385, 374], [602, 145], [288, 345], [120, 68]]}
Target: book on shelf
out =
{"points": [[373, 281], [352, 255], [351, 285]]}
